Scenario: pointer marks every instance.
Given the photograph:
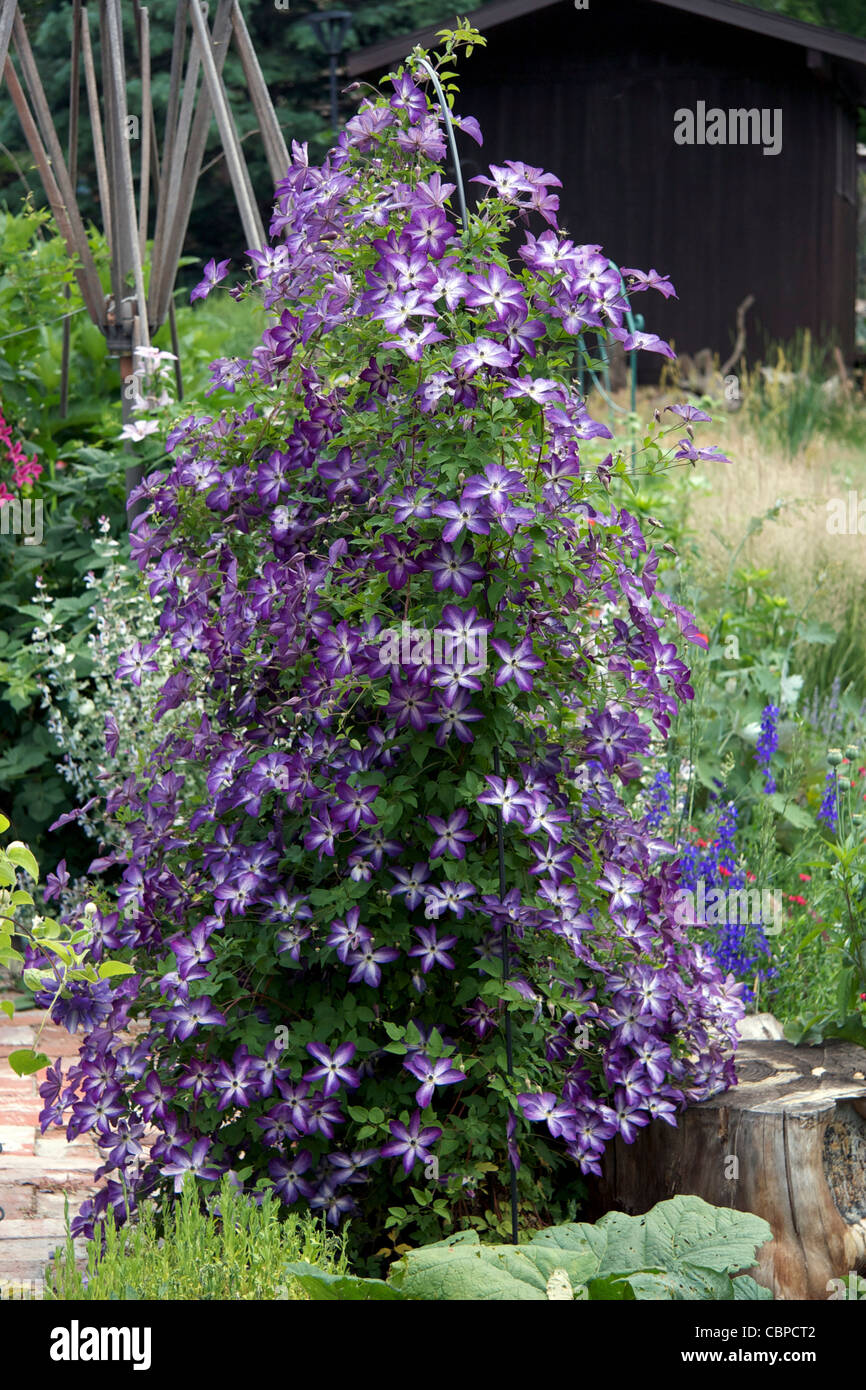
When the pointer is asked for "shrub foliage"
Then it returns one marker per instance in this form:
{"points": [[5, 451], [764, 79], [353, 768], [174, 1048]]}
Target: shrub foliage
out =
{"points": [[411, 931]]}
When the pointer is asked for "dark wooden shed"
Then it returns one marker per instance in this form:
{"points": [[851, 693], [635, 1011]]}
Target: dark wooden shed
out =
{"points": [[593, 95]]}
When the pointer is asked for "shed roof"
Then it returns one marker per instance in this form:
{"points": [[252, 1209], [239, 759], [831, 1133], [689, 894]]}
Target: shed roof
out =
{"points": [[843, 47]]}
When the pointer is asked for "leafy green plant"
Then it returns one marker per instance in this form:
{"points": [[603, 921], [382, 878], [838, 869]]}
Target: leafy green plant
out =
{"points": [[57, 943], [682, 1250], [81, 489], [234, 1247], [800, 397], [359, 802], [842, 899]]}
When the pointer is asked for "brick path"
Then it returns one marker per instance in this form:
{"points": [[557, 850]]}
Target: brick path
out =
{"points": [[37, 1171]]}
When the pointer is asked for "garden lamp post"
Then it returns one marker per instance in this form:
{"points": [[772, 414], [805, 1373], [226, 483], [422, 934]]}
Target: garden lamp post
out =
{"points": [[330, 28]]}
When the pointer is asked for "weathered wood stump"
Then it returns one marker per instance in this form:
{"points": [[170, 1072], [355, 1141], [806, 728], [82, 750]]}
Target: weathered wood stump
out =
{"points": [[788, 1143]]}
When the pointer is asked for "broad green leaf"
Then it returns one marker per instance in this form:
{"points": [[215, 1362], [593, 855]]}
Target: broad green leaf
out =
{"points": [[812, 936], [462, 1268], [747, 1288], [110, 968], [682, 1249], [22, 856], [679, 1232], [59, 948], [340, 1288], [25, 1061], [795, 815], [8, 1007], [613, 1288], [850, 1029]]}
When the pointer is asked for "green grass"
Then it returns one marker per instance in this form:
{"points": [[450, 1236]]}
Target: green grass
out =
{"points": [[235, 1250]]}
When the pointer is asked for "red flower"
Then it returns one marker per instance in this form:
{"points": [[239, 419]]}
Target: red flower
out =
{"points": [[805, 878], [725, 872]]}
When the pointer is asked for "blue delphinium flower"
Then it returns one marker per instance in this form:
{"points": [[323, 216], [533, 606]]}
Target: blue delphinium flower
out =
{"points": [[742, 948], [829, 811], [690, 867], [767, 745], [726, 835], [658, 800]]}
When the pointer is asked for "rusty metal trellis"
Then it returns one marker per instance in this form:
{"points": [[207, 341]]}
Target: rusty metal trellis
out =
{"points": [[133, 311]]}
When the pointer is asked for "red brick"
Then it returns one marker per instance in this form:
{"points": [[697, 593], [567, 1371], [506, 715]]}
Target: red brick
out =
{"points": [[55, 1148], [15, 1202], [23, 1267], [53, 1204], [16, 1139], [46, 1228], [48, 1171], [11, 1081], [19, 1112]]}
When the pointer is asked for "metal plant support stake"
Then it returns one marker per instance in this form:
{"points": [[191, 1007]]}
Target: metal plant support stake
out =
{"points": [[503, 946], [636, 324], [500, 830], [452, 142]]}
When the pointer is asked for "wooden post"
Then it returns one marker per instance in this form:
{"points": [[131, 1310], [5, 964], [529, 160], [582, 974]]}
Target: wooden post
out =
{"points": [[91, 292], [72, 155], [175, 75], [125, 223], [788, 1143], [95, 123], [125, 200], [275, 145], [177, 224], [8, 11], [144, 174], [238, 172]]}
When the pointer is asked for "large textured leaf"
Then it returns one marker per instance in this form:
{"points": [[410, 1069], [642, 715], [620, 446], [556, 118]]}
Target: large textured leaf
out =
{"points": [[340, 1288], [683, 1231], [613, 1288], [690, 1285], [683, 1249], [462, 1268], [746, 1288]]}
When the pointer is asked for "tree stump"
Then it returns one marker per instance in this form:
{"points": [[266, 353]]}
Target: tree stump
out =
{"points": [[787, 1143]]}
